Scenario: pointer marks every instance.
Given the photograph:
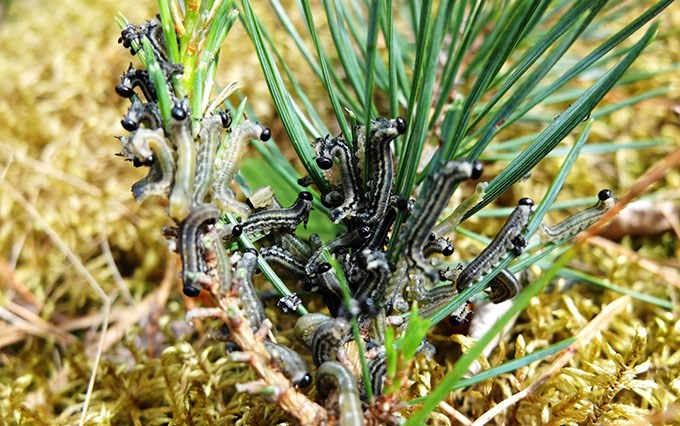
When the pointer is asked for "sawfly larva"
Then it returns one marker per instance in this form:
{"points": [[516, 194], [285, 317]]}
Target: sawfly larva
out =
{"points": [[509, 238]]}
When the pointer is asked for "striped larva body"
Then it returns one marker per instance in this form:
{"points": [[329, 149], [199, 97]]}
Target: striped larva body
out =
{"points": [[349, 239], [142, 113], [281, 258], [262, 197], [299, 249], [227, 163], [377, 239], [581, 220], [151, 147], [136, 78], [332, 375], [448, 225], [264, 222], [377, 273], [509, 238], [377, 368], [430, 295], [328, 337], [429, 206], [242, 287], [209, 136], [306, 325], [394, 293], [503, 286], [329, 287], [182, 193], [190, 232], [223, 262], [290, 363], [380, 165], [336, 147]]}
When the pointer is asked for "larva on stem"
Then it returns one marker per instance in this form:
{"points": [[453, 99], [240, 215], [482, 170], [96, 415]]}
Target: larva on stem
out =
{"points": [[205, 161], [147, 146], [182, 193], [331, 376], [508, 238], [227, 163], [190, 231]]}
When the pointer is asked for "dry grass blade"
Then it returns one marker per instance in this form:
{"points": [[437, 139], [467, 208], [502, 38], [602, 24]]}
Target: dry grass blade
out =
{"points": [[597, 324], [73, 258]]}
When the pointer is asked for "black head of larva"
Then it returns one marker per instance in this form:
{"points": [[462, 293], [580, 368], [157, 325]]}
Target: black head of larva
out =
{"points": [[129, 125], [477, 170], [191, 291], [124, 91], [305, 181], [401, 203], [324, 267], [305, 381], [526, 202], [266, 134], [178, 112], [605, 194], [324, 163], [448, 250], [251, 250], [225, 117], [364, 231], [401, 125], [236, 231], [305, 195]]}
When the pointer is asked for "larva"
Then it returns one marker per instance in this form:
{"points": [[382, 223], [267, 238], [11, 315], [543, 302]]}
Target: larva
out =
{"points": [[508, 238], [182, 193], [428, 207], [190, 231], [377, 274], [336, 147], [377, 368], [331, 376], [329, 287], [581, 220], [299, 249], [290, 363], [393, 296], [349, 239], [262, 197], [429, 295], [448, 225], [306, 325], [227, 163], [209, 137], [380, 165], [282, 259], [264, 222], [328, 337], [153, 31], [136, 78], [439, 245], [503, 286], [378, 237], [138, 113], [150, 147], [242, 287]]}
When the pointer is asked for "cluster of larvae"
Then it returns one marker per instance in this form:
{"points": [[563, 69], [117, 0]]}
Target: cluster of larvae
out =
{"points": [[194, 168]]}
